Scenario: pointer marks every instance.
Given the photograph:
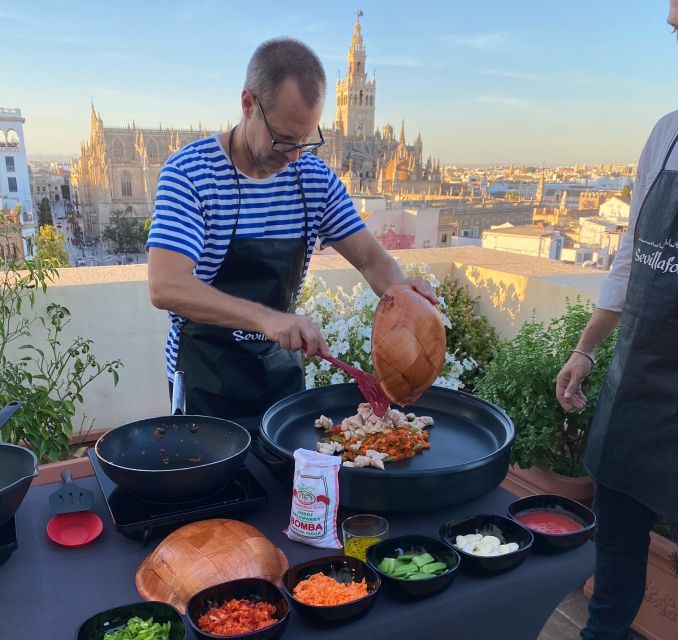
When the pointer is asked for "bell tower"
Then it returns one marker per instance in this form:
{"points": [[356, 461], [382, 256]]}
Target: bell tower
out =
{"points": [[355, 93]]}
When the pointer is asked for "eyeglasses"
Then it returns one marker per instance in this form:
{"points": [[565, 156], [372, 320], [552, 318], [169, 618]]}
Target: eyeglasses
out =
{"points": [[287, 147]]}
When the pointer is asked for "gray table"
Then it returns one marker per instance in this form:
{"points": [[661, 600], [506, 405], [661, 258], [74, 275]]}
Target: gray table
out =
{"points": [[46, 591]]}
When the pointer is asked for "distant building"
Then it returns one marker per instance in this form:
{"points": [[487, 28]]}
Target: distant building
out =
{"points": [[469, 220], [616, 209], [370, 161], [15, 188], [118, 169], [528, 240]]}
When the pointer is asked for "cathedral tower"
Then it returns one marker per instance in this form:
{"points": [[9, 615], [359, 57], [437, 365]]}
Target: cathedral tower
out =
{"points": [[355, 93]]}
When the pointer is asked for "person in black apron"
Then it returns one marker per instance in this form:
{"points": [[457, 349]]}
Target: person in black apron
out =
{"points": [[228, 374], [632, 450], [239, 338]]}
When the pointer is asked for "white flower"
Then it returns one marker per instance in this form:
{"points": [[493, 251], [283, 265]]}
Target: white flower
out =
{"points": [[469, 364], [367, 346], [325, 365], [337, 378], [356, 364], [446, 320]]}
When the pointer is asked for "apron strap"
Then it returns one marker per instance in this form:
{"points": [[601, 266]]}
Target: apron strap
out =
{"points": [[668, 153]]}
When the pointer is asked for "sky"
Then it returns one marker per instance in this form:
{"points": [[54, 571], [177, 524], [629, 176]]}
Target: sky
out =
{"points": [[483, 81]]}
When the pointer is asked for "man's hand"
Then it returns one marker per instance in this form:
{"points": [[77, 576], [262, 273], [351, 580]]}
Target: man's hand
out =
{"points": [[569, 380], [294, 332], [423, 288]]}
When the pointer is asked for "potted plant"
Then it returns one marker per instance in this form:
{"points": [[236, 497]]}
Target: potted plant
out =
{"points": [[521, 380], [38, 367]]}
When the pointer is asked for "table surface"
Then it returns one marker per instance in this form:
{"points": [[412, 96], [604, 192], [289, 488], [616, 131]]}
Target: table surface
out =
{"points": [[46, 591]]}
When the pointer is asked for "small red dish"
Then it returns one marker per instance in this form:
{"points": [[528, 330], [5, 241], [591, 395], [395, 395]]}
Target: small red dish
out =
{"points": [[75, 529]]}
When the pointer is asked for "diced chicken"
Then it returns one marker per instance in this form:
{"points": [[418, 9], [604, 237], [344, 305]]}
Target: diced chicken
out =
{"points": [[323, 422], [329, 448]]}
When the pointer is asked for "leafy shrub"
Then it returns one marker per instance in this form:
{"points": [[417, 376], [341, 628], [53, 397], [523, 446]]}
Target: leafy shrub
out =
{"points": [[521, 380]]}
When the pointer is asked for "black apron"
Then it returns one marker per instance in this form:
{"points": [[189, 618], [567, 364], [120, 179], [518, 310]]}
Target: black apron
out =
{"points": [[231, 373], [633, 441]]}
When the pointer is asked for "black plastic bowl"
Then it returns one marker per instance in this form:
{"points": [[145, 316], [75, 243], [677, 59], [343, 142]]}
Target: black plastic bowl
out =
{"points": [[556, 543], [253, 589], [343, 569], [104, 623], [394, 547], [506, 529]]}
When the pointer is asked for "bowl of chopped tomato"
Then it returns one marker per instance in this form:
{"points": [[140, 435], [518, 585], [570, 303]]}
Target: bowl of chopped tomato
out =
{"points": [[331, 590], [247, 608]]}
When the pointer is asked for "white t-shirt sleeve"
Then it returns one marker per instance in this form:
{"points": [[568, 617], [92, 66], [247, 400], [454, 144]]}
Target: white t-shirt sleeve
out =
{"points": [[613, 290]]}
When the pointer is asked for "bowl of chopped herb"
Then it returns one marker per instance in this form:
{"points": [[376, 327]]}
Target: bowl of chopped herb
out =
{"points": [[147, 620]]}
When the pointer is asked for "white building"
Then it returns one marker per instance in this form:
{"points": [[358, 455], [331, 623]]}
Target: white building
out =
{"points": [[527, 240], [15, 186], [616, 209]]}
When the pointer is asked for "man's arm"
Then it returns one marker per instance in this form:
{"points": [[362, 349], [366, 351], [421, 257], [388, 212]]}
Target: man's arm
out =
{"points": [[380, 270], [172, 286], [571, 376]]}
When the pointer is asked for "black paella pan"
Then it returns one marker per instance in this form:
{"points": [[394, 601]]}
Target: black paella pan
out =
{"points": [[470, 444], [174, 458]]}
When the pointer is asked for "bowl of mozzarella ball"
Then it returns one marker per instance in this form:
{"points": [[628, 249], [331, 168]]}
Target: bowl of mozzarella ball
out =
{"points": [[488, 544]]}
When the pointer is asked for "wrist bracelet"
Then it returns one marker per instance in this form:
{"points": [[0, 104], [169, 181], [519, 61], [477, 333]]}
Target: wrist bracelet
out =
{"points": [[590, 356]]}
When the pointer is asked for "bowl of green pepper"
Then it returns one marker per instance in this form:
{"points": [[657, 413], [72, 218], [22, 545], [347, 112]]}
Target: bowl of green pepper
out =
{"points": [[414, 566], [147, 620]]}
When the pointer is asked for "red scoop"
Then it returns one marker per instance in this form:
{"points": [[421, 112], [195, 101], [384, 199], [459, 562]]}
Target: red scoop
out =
{"points": [[367, 383]]}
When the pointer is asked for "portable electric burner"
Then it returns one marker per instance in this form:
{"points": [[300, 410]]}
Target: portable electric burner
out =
{"points": [[142, 519]]}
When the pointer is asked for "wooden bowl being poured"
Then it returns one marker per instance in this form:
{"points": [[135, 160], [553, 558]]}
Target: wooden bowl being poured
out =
{"points": [[408, 344]]}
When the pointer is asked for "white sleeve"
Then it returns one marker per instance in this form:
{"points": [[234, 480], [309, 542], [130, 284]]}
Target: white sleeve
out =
{"points": [[613, 290]]}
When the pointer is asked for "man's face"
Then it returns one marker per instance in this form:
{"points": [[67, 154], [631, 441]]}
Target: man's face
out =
{"points": [[673, 13], [290, 120]]}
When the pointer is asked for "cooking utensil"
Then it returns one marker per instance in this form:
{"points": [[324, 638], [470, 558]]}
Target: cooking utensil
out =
{"points": [[75, 529], [367, 383], [174, 458], [71, 498], [205, 553], [18, 466], [470, 444]]}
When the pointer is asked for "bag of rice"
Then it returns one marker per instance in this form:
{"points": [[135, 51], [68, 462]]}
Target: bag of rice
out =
{"points": [[315, 499]]}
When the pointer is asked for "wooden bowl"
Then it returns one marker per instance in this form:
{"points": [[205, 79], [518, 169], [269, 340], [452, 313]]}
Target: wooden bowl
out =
{"points": [[206, 553], [408, 344]]}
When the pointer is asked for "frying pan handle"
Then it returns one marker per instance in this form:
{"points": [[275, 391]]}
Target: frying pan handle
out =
{"points": [[8, 411], [272, 460], [179, 394]]}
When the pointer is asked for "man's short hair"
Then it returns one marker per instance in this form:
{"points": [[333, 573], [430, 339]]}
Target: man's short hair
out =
{"points": [[275, 61]]}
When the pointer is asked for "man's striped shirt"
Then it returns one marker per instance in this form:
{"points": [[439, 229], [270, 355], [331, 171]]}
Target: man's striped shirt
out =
{"points": [[196, 207]]}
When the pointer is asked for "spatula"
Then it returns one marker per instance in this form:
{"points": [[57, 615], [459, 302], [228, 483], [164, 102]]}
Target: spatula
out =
{"points": [[367, 383], [71, 498]]}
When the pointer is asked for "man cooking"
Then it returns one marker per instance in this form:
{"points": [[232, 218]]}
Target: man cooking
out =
{"points": [[235, 222]]}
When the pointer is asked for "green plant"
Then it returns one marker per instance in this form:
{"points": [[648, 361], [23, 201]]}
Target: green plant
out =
{"points": [[469, 334], [521, 380], [49, 380]]}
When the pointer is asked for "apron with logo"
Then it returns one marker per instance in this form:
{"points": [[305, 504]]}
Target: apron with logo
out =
{"points": [[633, 441], [232, 373]]}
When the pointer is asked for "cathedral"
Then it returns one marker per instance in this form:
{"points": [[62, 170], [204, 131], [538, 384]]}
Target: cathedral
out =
{"points": [[118, 167], [369, 161]]}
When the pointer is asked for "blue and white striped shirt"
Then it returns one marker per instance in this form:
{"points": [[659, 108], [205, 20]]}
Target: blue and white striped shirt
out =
{"points": [[197, 203]]}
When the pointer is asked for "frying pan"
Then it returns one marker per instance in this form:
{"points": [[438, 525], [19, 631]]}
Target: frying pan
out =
{"points": [[18, 466], [176, 458], [470, 444]]}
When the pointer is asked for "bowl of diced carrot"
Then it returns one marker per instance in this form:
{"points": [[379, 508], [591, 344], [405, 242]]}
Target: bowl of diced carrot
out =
{"points": [[331, 590], [249, 609]]}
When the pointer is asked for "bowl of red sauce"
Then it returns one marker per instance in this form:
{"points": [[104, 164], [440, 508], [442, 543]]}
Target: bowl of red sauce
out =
{"points": [[556, 522]]}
